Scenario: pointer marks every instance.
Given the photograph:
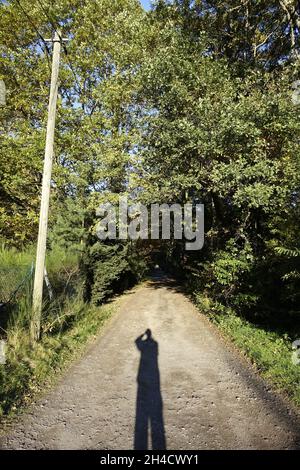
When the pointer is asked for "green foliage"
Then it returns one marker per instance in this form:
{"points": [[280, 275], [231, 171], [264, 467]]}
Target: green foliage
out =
{"points": [[106, 263], [67, 323], [15, 266], [221, 129], [111, 268], [223, 275], [269, 351], [95, 129], [191, 102], [28, 370]]}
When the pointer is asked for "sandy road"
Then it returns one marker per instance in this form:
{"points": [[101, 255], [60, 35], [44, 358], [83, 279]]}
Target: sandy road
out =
{"points": [[177, 388]]}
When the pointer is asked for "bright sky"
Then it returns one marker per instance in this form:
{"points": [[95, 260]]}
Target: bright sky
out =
{"points": [[146, 4]]}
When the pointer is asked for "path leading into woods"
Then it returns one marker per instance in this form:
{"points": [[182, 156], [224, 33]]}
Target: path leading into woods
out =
{"points": [[179, 388]]}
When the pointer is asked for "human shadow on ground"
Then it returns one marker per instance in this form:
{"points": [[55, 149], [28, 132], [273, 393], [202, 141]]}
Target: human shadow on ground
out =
{"points": [[149, 405]]}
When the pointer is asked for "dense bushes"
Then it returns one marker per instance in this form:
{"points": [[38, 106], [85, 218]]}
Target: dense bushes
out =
{"points": [[110, 267]]}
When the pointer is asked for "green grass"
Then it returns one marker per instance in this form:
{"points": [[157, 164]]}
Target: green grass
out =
{"points": [[29, 369], [14, 266], [67, 324], [269, 351]]}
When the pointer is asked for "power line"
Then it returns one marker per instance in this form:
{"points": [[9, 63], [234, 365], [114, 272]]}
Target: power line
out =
{"points": [[36, 30], [57, 30], [56, 27]]}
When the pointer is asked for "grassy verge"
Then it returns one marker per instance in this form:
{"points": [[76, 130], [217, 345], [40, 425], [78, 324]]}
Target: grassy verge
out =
{"points": [[27, 370], [269, 351], [67, 324]]}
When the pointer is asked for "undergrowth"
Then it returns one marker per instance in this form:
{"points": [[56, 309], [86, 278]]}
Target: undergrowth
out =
{"points": [[270, 351]]}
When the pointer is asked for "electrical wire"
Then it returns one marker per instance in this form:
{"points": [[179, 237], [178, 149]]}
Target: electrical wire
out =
{"points": [[56, 28], [36, 30]]}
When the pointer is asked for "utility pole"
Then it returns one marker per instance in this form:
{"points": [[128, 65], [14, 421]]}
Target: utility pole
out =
{"points": [[43, 222]]}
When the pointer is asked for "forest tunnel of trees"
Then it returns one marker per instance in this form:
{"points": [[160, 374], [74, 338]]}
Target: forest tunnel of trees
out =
{"points": [[192, 101]]}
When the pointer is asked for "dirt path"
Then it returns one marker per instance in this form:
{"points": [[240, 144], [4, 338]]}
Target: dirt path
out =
{"points": [[195, 392]]}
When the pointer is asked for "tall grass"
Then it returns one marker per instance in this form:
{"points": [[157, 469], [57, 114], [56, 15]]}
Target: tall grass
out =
{"points": [[28, 369], [14, 266], [67, 323]]}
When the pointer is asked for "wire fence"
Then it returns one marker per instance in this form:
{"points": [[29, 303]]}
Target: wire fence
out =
{"points": [[63, 284], [13, 281]]}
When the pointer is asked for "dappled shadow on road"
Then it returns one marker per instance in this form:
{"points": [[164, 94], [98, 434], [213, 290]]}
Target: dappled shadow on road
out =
{"points": [[149, 405], [158, 279]]}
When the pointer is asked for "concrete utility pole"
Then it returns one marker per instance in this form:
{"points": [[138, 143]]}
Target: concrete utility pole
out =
{"points": [[43, 223]]}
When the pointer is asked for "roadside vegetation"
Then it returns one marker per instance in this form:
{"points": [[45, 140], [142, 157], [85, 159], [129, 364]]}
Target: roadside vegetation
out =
{"points": [[269, 350], [70, 318], [68, 323], [193, 101], [28, 370]]}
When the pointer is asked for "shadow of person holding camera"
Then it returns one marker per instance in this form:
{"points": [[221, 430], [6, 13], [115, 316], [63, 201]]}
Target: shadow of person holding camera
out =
{"points": [[149, 405]]}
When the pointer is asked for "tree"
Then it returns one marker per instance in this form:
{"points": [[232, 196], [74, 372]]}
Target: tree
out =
{"points": [[221, 129]]}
